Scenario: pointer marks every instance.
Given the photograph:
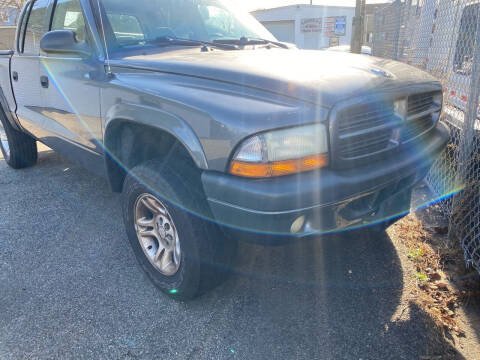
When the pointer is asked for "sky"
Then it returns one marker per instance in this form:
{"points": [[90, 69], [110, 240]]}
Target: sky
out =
{"points": [[263, 4]]}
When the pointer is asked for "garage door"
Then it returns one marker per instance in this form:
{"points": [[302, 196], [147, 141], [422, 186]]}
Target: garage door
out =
{"points": [[282, 30]]}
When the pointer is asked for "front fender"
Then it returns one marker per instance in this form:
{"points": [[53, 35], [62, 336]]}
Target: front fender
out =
{"points": [[161, 120]]}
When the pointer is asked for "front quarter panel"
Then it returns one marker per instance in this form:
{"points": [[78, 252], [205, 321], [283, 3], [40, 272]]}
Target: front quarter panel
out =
{"points": [[209, 117], [150, 116]]}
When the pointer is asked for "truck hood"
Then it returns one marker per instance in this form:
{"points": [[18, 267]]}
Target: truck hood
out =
{"points": [[320, 77]]}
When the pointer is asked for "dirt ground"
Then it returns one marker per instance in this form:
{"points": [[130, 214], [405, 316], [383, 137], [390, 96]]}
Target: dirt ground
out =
{"points": [[437, 281]]}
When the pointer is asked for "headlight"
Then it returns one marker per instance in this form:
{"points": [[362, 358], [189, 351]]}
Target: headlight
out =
{"points": [[282, 152]]}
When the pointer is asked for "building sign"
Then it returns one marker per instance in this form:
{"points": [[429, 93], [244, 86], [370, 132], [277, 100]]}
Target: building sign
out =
{"points": [[335, 26], [311, 25], [333, 41], [341, 26]]}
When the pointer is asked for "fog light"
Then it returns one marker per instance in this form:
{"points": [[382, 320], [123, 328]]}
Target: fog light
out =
{"points": [[297, 225]]}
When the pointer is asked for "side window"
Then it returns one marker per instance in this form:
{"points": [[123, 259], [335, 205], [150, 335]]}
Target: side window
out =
{"points": [[35, 27], [126, 28], [68, 15]]}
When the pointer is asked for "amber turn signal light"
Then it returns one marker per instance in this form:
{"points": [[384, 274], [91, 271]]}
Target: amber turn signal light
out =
{"points": [[278, 168]]}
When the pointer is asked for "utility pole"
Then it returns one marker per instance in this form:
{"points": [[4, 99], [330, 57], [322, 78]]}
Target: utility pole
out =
{"points": [[358, 27]]}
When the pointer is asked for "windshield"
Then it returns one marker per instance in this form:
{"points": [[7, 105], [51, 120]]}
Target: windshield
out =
{"points": [[142, 22]]}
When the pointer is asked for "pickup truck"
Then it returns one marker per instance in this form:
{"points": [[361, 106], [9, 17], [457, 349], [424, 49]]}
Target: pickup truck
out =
{"points": [[212, 130]]}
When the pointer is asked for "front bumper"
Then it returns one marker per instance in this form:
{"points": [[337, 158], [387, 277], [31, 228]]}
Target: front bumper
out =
{"points": [[329, 200]]}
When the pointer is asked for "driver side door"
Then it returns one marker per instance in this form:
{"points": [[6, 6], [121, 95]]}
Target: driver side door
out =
{"points": [[72, 90]]}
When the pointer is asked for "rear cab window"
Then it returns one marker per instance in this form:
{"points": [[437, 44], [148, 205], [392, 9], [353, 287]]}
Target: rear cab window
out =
{"points": [[35, 28]]}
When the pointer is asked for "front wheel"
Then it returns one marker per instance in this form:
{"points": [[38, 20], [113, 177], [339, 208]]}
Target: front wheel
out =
{"points": [[182, 253]]}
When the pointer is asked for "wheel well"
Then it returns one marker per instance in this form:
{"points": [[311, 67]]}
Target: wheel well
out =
{"points": [[128, 145], [5, 112]]}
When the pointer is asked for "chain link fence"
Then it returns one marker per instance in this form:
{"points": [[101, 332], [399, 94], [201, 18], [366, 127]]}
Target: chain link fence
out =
{"points": [[443, 38]]}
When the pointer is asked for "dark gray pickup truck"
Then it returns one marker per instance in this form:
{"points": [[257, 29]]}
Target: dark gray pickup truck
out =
{"points": [[212, 129]]}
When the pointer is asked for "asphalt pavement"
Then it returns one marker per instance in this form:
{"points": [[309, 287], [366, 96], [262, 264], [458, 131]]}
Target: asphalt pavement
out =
{"points": [[70, 287]]}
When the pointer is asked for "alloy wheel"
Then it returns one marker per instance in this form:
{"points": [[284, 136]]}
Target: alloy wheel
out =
{"points": [[157, 234]]}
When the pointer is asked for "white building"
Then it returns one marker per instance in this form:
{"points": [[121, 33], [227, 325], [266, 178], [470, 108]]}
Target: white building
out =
{"points": [[8, 15], [309, 26]]}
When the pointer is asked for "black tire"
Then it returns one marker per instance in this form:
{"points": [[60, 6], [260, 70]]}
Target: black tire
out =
{"points": [[22, 147], [206, 253]]}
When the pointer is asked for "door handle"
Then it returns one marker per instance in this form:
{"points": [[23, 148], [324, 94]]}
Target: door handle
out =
{"points": [[15, 76], [44, 81]]}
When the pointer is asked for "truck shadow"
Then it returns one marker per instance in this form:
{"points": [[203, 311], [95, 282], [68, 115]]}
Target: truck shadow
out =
{"points": [[330, 298], [463, 278]]}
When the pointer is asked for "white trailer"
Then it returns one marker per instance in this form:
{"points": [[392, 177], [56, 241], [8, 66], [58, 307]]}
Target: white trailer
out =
{"points": [[449, 50]]}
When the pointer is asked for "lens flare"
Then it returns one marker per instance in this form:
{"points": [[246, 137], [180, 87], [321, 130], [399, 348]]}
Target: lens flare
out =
{"points": [[99, 142]]}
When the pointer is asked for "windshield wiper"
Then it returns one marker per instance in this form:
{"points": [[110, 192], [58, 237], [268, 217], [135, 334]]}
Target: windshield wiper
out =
{"points": [[245, 41], [170, 41]]}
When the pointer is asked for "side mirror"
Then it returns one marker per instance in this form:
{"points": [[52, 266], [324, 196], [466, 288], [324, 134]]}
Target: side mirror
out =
{"points": [[63, 42]]}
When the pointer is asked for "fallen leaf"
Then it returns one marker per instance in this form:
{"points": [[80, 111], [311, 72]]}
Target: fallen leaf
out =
{"points": [[435, 276], [442, 285]]}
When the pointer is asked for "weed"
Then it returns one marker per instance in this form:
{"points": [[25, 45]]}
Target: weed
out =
{"points": [[415, 253], [421, 277]]}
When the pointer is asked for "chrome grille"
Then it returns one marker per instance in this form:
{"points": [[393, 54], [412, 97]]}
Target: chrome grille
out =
{"points": [[419, 103], [366, 144], [365, 117], [414, 128], [365, 130]]}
